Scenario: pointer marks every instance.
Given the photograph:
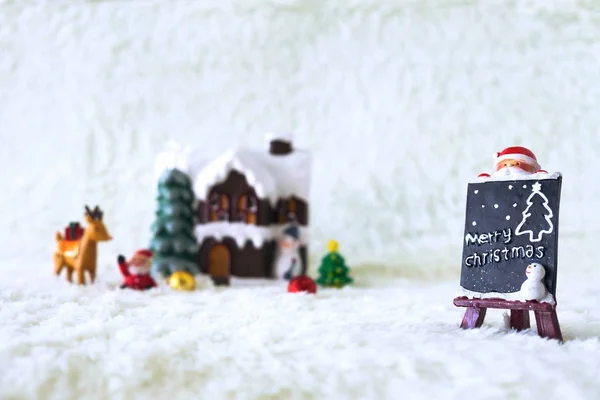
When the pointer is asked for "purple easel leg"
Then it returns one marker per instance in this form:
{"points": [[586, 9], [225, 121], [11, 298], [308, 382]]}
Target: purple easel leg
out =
{"points": [[473, 318], [547, 324], [519, 319]]}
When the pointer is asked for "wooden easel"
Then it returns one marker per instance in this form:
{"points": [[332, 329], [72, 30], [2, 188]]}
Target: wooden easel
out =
{"points": [[545, 315]]}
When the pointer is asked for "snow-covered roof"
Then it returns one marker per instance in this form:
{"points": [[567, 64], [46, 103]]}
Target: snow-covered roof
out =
{"points": [[241, 232], [271, 176], [538, 175]]}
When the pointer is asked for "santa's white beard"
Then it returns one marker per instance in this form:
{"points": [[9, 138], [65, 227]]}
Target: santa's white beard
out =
{"points": [[511, 171], [139, 270]]}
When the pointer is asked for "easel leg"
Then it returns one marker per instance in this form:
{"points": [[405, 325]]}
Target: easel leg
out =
{"points": [[519, 319], [547, 325], [473, 318]]}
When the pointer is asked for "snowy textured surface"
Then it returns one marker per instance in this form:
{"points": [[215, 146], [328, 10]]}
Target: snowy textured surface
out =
{"points": [[252, 342], [400, 105]]}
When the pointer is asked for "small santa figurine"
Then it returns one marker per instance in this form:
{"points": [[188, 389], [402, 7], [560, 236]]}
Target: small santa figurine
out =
{"points": [[515, 161], [288, 263], [136, 271]]}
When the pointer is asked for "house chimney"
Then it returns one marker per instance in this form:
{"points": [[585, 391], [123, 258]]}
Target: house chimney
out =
{"points": [[280, 144]]}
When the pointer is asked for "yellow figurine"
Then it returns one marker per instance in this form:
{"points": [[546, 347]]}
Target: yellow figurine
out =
{"points": [[333, 246], [182, 280]]}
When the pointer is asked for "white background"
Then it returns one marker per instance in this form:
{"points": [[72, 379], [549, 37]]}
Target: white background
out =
{"points": [[401, 104]]}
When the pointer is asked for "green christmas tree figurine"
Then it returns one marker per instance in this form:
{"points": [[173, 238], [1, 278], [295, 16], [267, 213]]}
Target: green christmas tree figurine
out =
{"points": [[333, 271], [174, 243]]}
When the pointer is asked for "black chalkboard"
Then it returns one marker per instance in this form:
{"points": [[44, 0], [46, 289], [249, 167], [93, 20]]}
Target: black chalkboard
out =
{"points": [[508, 225]]}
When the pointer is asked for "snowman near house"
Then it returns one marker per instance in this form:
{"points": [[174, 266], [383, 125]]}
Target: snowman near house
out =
{"points": [[288, 261]]}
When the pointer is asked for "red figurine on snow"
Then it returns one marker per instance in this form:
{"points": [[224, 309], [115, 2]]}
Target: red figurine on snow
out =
{"points": [[515, 161], [136, 271], [302, 283]]}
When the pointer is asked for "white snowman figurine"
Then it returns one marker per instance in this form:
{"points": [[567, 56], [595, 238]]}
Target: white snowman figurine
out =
{"points": [[288, 262], [534, 287]]}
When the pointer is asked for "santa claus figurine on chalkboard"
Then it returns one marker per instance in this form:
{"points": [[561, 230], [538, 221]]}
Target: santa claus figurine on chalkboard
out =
{"points": [[514, 161]]}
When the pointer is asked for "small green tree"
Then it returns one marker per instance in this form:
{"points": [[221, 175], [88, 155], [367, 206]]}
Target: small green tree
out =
{"points": [[174, 243], [333, 271]]}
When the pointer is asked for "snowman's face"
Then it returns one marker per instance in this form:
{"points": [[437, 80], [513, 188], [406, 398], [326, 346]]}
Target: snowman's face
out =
{"points": [[535, 271], [288, 243]]}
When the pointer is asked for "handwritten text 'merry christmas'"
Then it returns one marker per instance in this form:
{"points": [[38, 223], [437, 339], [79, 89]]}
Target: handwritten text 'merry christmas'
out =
{"points": [[497, 255]]}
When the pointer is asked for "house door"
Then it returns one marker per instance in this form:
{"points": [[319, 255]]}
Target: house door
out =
{"points": [[219, 264]]}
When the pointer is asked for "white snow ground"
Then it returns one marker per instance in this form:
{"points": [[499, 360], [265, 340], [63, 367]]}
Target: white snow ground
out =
{"points": [[398, 340], [401, 104]]}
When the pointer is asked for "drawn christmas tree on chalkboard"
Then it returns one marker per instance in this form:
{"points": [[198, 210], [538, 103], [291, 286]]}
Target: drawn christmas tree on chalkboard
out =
{"points": [[537, 217]]}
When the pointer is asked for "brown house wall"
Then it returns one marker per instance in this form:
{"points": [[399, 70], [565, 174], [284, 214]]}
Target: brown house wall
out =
{"points": [[282, 208], [252, 262], [304, 257], [200, 215], [248, 261], [236, 185], [302, 212]]}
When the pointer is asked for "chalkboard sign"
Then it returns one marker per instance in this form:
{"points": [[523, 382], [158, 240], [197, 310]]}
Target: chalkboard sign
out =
{"points": [[509, 224]]}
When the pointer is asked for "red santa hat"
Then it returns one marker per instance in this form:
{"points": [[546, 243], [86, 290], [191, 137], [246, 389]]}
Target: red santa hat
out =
{"points": [[518, 153], [143, 253]]}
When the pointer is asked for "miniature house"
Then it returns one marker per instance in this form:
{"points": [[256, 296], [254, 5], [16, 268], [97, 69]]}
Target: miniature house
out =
{"points": [[245, 199]]}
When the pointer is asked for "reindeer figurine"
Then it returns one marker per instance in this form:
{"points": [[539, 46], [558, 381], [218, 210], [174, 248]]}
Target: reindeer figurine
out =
{"points": [[80, 254]]}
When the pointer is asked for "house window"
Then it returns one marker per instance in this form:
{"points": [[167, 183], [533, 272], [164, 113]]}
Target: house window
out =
{"points": [[247, 209], [287, 211], [218, 207]]}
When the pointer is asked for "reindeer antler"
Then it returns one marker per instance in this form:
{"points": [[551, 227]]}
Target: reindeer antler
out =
{"points": [[98, 212], [95, 214]]}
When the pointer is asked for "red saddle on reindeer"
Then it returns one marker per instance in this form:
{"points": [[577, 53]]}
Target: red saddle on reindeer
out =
{"points": [[73, 231], [68, 244]]}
